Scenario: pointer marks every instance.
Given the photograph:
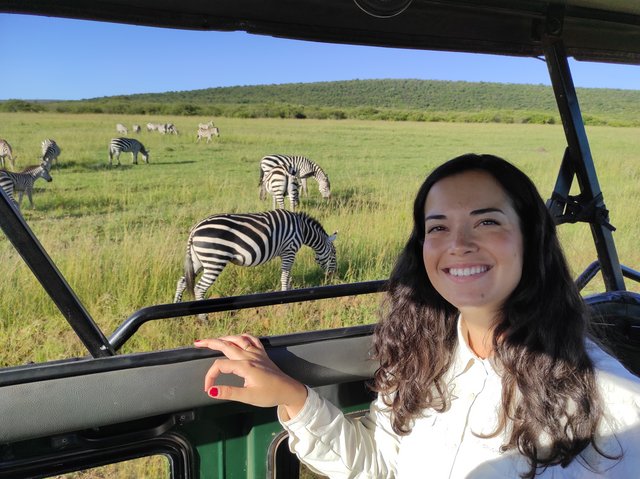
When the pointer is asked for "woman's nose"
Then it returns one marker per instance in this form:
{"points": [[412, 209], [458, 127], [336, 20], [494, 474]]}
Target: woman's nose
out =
{"points": [[462, 242]]}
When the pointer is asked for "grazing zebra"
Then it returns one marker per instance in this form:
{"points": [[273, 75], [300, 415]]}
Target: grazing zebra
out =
{"points": [[124, 145], [120, 128], [7, 152], [136, 128], [281, 182], [152, 126], [50, 152], [250, 240], [170, 128], [305, 168], [205, 126], [207, 133], [23, 182]]}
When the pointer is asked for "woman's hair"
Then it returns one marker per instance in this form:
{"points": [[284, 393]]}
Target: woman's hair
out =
{"points": [[548, 383]]}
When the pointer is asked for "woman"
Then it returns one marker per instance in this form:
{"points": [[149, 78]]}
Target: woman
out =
{"points": [[486, 370]]}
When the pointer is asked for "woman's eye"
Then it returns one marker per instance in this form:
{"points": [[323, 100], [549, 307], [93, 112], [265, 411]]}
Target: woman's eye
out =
{"points": [[435, 229], [489, 222]]}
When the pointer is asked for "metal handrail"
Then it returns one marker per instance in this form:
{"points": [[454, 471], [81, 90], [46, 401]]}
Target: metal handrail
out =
{"points": [[592, 270], [233, 303]]}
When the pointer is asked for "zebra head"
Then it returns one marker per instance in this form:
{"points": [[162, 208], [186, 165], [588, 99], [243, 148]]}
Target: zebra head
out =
{"points": [[326, 254], [324, 186], [44, 172]]}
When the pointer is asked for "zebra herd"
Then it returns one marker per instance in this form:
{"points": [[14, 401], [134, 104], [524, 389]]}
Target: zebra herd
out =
{"points": [[22, 182], [252, 239], [248, 239]]}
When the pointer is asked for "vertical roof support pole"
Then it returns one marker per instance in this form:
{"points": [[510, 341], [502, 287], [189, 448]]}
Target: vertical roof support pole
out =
{"points": [[577, 159], [51, 279]]}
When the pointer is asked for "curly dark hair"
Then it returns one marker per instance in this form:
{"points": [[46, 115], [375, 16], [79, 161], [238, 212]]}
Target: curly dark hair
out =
{"points": [[548, 381]]}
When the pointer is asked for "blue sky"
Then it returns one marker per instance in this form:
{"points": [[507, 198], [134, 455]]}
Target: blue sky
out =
{"points": [[46, 58]]}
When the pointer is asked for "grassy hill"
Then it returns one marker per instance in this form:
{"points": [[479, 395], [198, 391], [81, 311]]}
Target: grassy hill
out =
{"points": [[419, 100]]}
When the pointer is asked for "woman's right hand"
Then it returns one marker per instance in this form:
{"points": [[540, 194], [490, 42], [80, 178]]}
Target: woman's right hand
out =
{"points": [[265, 384]]}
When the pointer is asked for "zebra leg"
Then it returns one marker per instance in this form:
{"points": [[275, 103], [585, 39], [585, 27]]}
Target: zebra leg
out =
{"points": [[292, 191], [285, 275], [303, 186], [135, 158], [206, 280], [181, 286], [29, 190]]}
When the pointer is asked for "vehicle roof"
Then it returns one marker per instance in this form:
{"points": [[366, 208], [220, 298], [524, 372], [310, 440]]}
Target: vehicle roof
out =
{"points": [[595, 30]]}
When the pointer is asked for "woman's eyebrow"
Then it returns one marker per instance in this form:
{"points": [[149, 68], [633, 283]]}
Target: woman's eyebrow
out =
{"points": [[483, 211]]}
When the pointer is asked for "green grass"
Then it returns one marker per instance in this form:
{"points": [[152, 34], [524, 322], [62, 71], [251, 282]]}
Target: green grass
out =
{"points": [[118, 235]]}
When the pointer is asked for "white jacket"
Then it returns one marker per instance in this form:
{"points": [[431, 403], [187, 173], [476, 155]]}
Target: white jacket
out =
{"points": [[443, 445]]}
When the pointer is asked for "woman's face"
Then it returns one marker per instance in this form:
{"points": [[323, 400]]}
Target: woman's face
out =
{"points": [[473, 243]]}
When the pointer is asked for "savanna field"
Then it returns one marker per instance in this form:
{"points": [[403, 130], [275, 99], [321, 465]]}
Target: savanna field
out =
{"points": [[118, 234]]}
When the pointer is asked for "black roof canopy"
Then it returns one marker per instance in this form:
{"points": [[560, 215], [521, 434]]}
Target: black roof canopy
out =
{"points": [[596, 30]]}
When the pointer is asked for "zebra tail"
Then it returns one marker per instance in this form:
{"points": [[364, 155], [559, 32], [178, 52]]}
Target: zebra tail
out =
{"points": [[189, 274], [262, 191]]}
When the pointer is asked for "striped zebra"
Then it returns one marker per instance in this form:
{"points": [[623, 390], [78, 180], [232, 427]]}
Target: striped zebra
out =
{"points": [[50, 152], [23, 182], [170, 128], [152, 126], [305, 168], [136, 128], [250, 240], [120, 128], [127, 145], [281, 182], [7, 152], [207, 133], [205, 126]]}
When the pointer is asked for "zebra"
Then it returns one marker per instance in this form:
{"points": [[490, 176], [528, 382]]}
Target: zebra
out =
{"points": [[136, 128], [23, 182], [205, 126], [120, 128], [50, 152], [281, 182], [120, 145], [304, 167], [7, 152], [152, 127], [207, 133], [251, 239], [170, 128]]}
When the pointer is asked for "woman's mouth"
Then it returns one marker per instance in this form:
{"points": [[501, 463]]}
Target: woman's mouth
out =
{"points": [[467, 271]]}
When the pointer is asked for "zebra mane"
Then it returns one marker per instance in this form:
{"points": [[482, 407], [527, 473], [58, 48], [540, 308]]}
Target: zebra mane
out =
{"points": [[314, 223], [30, 168]]}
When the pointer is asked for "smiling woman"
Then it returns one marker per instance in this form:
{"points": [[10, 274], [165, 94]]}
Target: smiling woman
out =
{"points": [[483, 349]]}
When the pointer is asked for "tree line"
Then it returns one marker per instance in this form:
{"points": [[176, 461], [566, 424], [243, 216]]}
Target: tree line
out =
{"points": [[396, 100]]}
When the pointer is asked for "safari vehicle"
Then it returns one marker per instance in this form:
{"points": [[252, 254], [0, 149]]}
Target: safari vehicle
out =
{"points": [[107, 407]]}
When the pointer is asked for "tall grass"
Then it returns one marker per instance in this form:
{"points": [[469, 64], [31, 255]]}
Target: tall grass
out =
{"points": [[118, 234]]}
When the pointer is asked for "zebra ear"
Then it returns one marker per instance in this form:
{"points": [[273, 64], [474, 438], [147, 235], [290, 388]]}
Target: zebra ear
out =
{"points": [[332, 238]]}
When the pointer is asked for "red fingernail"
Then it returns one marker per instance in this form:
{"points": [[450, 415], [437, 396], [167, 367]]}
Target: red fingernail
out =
{"points": [[213, 392], [198, 341]]}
